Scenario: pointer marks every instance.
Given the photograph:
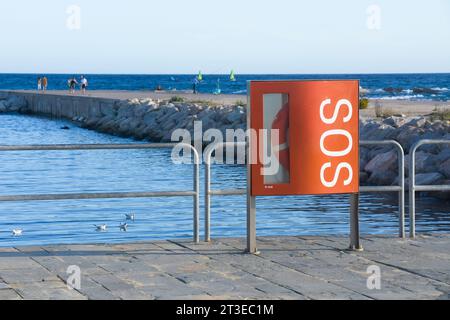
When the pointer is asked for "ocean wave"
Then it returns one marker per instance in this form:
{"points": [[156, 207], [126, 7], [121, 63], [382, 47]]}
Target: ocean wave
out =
{"points": [[440, 89], [403, 97], [364, 90], [397, 91], [416, 92]]}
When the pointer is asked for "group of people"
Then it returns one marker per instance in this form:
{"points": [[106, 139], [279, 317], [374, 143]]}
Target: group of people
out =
{"points": [[42, 83], [72, 83]]}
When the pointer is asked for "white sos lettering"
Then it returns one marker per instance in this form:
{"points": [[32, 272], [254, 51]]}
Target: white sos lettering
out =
{"points": [[342, 166]]}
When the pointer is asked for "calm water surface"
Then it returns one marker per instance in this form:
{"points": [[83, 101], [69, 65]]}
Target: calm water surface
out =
{"points": [[58, 222]]}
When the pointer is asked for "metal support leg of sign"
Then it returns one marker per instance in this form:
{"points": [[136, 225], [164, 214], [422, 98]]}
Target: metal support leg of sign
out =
{"points": [[251, 200], [355, 241], [251, 225]]}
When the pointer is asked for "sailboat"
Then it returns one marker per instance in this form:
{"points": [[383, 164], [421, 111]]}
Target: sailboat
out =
{"points": [[200, 76], [232, 77]]}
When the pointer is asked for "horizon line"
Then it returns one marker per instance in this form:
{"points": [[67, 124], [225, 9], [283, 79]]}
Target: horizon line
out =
{"points": [[193, 74]]}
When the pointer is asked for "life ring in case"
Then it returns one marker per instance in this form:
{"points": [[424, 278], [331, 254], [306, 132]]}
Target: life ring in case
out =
{"points": [[281, 147]]}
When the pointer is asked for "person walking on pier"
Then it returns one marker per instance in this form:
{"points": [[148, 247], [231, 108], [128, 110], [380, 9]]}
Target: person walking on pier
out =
{"points": [[72, 84], [39, 83], [84, 84], [44, 83]]}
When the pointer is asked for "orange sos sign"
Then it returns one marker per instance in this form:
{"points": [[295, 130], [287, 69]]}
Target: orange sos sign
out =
{"points": [[307, 137]]}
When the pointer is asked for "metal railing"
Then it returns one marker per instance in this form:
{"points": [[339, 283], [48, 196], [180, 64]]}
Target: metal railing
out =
{"points": [[195, 193], [412, 183], [399, 188], [209, 192]]}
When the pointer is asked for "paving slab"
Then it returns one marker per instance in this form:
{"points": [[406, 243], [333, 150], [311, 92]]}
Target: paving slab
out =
{"points": [[290, 267]]}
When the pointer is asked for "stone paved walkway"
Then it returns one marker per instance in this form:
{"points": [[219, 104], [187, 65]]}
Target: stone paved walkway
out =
{"points": [[287, 268]]}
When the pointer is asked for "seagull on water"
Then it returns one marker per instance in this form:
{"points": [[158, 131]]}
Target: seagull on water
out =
{"points": [[123, 227], [17, 232], [130, 216], [101, 227]]}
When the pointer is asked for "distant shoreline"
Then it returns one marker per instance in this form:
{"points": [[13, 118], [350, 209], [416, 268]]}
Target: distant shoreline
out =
{"points": [[411, 87]]}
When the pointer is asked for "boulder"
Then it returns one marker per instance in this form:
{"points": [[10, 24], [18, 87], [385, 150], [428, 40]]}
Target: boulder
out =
{"points": [[444, 168], [3, 107], [140, 111], [363, 177], [92, 123], [425, 162], [363, 157], [382, 178], [125, 126], [417, 122], [383, 162], [125, 111], [383, 132], [150, 119], [368, 128], [443, 155], [234, 116], [428, 178], [395, 122], [108, 109], [408, 136]]}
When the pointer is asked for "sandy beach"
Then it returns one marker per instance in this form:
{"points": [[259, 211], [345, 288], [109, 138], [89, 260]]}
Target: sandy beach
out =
{"points": [[405, 107]]}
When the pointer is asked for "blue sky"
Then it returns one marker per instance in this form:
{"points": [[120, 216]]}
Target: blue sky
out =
{"points": [[249, 36]]}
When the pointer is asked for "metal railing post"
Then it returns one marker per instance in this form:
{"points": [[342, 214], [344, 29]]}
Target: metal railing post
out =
{"points": [[196, 196], [355, 239], [208, 198], [251, 210], [401, 193], [412, 183], [412, 192]]}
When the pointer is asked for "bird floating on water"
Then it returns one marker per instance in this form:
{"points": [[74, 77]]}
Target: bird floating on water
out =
{"points": [[101, 227], [130, 216], [123, 227], [17, 232]]}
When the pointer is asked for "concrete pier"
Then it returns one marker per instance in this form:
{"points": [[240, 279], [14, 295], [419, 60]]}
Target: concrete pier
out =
{"points": [[62, 103], [287, 268], [93, 104]]}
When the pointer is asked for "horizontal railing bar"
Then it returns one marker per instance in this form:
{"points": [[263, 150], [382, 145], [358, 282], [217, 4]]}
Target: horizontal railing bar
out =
{"points": [[81, 196], [428, 141], [230, 192], [85, 147], [377, 142], [432, 188], [380, 188], [361, 189]]}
